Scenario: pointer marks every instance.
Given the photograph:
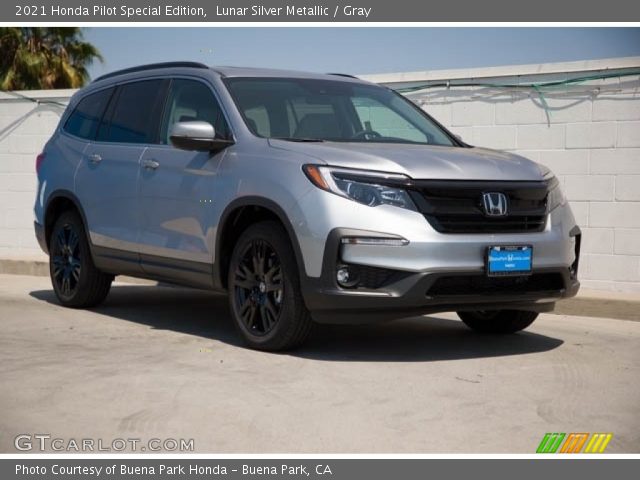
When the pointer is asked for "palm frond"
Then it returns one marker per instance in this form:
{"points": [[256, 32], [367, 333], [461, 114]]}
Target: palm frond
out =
{"points": [[44, 57]]}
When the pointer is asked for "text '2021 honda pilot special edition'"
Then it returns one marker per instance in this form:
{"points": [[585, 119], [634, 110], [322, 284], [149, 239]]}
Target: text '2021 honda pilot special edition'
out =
{"points": [[307, 197]]}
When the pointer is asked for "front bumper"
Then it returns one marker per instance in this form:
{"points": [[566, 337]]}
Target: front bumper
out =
{"points": [[411, 297], [440, 273]]}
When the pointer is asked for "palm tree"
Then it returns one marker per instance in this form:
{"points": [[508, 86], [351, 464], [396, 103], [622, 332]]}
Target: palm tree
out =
{"points": [[34, 58]]}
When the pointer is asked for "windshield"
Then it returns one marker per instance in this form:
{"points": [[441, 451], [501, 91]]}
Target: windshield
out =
{"points": [[324, 110]]}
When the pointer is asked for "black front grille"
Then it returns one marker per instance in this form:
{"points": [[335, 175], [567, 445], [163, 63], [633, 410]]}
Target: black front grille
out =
{"points": [[473, 224], [482, 285], [457, 206]]}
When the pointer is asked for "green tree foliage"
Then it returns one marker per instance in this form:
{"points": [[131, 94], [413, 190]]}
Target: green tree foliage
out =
{"points": [[33, 58]]}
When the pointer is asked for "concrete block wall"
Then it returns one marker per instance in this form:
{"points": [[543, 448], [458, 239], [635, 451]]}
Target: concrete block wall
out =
{"points": [[27, 120], [588, 134]]}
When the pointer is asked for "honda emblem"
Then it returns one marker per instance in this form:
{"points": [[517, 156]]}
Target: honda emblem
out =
{"points": [[495, 204]]}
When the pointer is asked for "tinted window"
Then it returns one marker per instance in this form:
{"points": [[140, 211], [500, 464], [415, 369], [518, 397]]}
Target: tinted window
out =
{"points": [[331, 110], [83, 122], [375, 116], [258, 120], [190, 100], [136, 113]]}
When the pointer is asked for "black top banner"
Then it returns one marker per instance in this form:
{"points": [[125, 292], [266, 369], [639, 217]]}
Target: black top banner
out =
{"points": [[364, 11]]}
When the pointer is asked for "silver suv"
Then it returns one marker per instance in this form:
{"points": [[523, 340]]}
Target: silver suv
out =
{"points": [[308, 198]]}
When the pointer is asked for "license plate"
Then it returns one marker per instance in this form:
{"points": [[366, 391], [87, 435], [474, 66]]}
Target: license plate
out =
{"points": [[509, 260]]}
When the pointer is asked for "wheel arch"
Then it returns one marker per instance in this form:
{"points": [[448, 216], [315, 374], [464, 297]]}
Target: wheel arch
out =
{"points": [[59, 202], [236, 217]]}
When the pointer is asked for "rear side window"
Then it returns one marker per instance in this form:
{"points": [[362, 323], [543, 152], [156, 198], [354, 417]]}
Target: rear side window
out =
{"points": [[136, 112], [84, 120]]}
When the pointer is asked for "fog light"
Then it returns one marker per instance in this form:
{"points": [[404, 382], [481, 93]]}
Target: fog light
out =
{"points": [[346, 277], [342, 276]]}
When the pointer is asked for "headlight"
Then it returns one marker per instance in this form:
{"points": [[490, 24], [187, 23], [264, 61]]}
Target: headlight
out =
{"points": [[555, 197], [366, 187]]}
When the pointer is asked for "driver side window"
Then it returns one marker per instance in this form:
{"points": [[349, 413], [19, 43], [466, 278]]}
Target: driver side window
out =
{"points": [[190, 100], [376, 117]]}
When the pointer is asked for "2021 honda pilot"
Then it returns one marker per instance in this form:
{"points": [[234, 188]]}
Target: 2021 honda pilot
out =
{"points": [[307, 197]]}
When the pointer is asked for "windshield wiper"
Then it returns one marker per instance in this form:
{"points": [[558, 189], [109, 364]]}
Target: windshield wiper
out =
{"points": [[298, 139]]}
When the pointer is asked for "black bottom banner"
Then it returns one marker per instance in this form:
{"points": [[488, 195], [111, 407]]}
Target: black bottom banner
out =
{"points": [[319, 469]]}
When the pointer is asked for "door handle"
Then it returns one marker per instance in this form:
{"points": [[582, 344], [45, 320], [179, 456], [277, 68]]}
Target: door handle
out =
{"points": [[95, 158], [150, 164]]}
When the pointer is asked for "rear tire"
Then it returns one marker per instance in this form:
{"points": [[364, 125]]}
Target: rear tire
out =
{"points": [[264, 290], [498, 321], [76, 281]]}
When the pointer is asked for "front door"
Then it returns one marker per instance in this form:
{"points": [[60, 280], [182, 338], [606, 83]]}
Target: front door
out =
{"points": [[176, 192]]}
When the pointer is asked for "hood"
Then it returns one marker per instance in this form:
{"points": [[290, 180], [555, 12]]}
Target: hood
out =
{"points": [[418, 161]]}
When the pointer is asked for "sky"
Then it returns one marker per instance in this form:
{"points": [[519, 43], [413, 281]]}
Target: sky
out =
{"points": [[359, 50]]}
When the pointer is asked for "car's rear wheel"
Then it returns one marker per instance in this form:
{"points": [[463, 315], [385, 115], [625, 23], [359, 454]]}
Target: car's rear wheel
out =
{"points": [[498, 321], [76, 281], [264, 290]]}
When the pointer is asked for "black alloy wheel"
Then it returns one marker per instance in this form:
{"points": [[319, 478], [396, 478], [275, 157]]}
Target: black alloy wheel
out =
{"points": [[67, 266], [498, 321], [265, 297], [76, 281], [258, 287]]}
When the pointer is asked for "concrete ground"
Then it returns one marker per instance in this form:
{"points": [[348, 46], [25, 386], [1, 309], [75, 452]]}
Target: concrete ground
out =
{"points": [[158, 362]]}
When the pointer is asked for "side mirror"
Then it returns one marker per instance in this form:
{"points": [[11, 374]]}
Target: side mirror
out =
{"points": [[196, 135]]}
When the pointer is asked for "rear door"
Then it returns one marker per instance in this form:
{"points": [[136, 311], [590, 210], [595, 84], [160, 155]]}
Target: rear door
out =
{"points": [[177, 190], [107, 179]]}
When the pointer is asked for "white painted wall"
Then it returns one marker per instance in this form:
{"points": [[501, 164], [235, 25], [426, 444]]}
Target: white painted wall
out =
{"points": [[25, 125], [591, 140]]}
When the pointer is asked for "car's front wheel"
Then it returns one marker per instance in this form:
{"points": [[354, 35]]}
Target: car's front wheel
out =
{"points": [[498, 321], [264, 290], [76, 281]]}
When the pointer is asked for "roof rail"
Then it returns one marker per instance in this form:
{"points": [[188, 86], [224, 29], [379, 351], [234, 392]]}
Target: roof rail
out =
{"points": [[152, 66], [343, 75]]}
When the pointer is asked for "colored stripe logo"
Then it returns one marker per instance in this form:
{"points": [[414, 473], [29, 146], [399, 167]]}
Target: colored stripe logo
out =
{"points": [[598, 443], [574, 442], [550, 443]]}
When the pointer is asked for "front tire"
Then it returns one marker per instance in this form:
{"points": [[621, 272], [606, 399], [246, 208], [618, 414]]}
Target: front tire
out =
{"points": [[76, 281], [498, 321], [264, 290]]}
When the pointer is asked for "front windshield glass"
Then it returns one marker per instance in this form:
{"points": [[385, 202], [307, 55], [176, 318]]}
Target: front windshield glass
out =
{"points": [[324, 110]]}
